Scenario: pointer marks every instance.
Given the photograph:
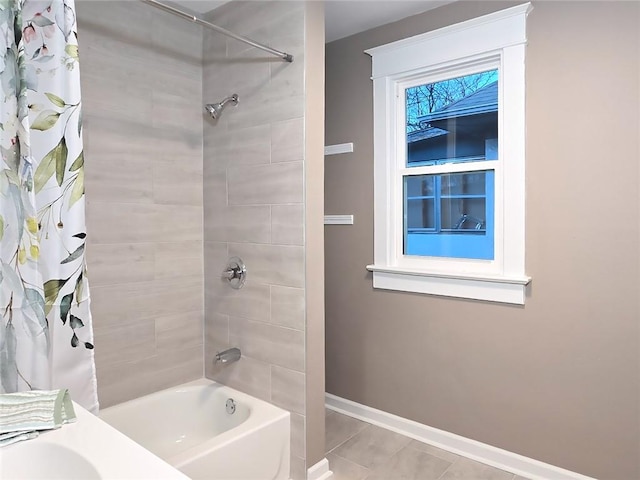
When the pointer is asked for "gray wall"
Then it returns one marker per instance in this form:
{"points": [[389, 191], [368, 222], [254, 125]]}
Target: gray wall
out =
{"points": [[557, 380], [141, 74], [255, 198]]}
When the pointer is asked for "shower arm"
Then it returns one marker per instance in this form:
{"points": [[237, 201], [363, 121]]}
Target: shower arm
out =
{"points": [[287, 57]]}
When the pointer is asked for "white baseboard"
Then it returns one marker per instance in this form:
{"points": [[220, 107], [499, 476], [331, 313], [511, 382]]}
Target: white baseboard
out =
{"points": [[481, 452], [320, 471]]}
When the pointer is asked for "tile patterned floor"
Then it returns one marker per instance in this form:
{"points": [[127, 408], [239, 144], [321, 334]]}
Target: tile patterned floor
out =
{"points": [[357, 450]]}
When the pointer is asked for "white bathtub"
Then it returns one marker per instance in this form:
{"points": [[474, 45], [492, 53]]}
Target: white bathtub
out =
{"points": [[188, 426]]}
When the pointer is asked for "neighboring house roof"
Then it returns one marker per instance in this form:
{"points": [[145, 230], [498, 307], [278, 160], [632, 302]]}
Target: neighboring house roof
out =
{"points": [[484, 100], [425, 133], [481, 101]]}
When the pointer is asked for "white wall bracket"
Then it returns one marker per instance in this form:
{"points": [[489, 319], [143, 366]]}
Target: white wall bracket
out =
{"points": [[339, 148], [338, 219]]}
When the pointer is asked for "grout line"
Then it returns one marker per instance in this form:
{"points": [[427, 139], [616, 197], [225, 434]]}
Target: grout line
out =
{"points": [[451, 465], [345, 441], [395, 453]]}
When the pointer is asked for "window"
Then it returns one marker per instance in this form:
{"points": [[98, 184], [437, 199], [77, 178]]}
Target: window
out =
{"points": [[449, 160], [449, 122]]}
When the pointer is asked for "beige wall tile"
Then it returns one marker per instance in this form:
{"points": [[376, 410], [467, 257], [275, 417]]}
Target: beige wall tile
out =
{"points": [[251, 19], [287, 225], [272, 264], [120, 263], [144, 300], [214, 47], [142, 97], [124, 343], [269, 109], [253, 157], [214, 191], [120, 222], [215, 260], [179, 330], [287, 307], [179, 42], [115, 20], [297, 435], [135, 302], [269, 343], [287, 79], [103, 51], [245, 77], [178, 259], [116, 97], [287, 389], [177, 181], [287, 141], [185, 295], [238, 224], [124, 381], [108, 134], [187, 142], [105, 135], [287, 20], [268, 184], [298, 468], [119, 178], [251, 302], [177, 223], [241, 146], [171, 110], [111, 134], [173, 77]]}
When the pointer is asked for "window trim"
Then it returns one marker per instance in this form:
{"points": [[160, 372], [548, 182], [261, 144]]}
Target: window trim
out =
{"points": [[498, 37]]}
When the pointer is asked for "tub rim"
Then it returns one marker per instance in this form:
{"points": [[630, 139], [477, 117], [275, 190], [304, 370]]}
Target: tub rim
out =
{"points": [[259, 410]]}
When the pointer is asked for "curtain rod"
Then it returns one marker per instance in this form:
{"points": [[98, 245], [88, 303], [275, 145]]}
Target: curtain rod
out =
{"points": [[154, 3]]}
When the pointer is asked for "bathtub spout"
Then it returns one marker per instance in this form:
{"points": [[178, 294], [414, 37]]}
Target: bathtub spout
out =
{"points": [[228, 356]]}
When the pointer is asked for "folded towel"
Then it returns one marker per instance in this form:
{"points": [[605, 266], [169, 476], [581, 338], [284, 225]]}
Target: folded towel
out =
{"points": [[24, 414]]}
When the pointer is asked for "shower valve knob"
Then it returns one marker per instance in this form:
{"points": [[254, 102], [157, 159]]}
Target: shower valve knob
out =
{"points": [[235, 272]]}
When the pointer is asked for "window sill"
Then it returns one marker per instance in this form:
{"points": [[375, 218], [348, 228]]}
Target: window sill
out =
{"points": [[504, 289]]}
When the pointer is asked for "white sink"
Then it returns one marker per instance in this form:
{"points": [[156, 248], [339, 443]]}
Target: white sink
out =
{"points": [[88, 449], [45, 460]]}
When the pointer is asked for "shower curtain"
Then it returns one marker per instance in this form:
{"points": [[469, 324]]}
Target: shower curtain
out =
{"points": [[46, 337]]}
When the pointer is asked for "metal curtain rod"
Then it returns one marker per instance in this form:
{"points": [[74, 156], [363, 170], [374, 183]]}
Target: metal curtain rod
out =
{"points": [[283, 55]]}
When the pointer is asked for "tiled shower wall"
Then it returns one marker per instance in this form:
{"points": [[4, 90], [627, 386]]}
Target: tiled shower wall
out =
{"points": [[141, 74], [253, 207]]}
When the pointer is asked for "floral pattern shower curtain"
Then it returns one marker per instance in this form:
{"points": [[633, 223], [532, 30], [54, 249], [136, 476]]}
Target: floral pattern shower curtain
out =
{"points": [[46, 338]]}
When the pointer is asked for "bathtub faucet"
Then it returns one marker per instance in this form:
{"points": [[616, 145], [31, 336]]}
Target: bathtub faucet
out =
{"points": [[228, 356]]}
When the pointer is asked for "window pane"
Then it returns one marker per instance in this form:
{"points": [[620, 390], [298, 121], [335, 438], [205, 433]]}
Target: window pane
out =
{"points": [[453, 121], [461, 215], [420, 201], [449, 215]]}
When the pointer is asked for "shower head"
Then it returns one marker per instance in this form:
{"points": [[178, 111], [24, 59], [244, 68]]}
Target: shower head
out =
{"points": [[215, 109]]}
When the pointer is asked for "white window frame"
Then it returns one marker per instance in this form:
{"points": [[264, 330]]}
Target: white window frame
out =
{"points": [[494, 40]]}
